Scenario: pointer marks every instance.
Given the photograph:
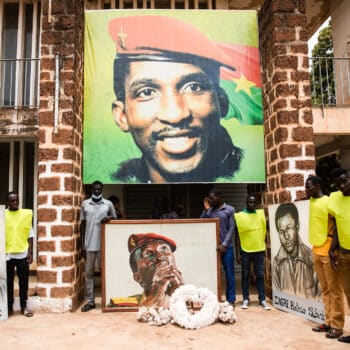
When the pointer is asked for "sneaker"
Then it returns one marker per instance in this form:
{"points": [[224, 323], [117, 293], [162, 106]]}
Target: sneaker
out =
{"points": [[87, 307], [245, 304], [265, 305]]}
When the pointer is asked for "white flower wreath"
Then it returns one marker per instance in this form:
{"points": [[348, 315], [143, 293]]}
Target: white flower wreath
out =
{"points": [[189, 293]]}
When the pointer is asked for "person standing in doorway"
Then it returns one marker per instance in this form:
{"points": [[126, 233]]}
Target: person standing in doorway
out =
{"points": [[95, 211], [321, 231], [19, 250], [251, 227], [214, 207], [339, 207]]}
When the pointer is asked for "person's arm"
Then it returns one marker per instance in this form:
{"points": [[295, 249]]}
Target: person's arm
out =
{"points": [[229, 233], [82, 235], [332, 249], [111, 213], [206, 206], [30, 250]]}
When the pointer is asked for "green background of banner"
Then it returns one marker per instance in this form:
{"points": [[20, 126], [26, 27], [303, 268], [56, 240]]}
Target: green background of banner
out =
{"points": [[105, 146]]}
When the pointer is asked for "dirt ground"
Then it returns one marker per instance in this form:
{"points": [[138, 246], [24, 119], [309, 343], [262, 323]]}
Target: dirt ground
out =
{"points": [[255, 329]]}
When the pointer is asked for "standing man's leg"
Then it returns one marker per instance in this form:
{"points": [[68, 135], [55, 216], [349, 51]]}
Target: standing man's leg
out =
{"points": [[259, 265], [89, 280], [343, 274], [23, 277], [246, 262], [227, 259], [10, 275]]}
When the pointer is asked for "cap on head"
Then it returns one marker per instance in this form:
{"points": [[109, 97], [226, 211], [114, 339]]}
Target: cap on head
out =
{"points": [[161, 38], [136, 241]]}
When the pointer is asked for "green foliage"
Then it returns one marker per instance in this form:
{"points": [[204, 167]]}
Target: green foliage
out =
{"points": [[322, 69]]}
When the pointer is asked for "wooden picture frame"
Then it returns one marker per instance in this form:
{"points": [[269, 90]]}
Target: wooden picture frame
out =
{"points": [[196, 256]]}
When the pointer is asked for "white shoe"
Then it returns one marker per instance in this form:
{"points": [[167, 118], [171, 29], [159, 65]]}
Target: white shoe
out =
{"points": [[245, 304], [265, 305]]}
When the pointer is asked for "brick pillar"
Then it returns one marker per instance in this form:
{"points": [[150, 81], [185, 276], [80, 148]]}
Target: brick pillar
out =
{"points": [[287, 104], [287, 99], [60, 157]]}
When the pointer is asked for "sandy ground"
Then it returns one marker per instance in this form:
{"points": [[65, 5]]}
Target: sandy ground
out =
{"points": [[255, 329]]}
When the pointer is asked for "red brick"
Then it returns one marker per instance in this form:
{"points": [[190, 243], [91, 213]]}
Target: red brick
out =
{"points": [[292, 180], [46, 118], [307, 116], [60, 200], [286, 62], [46, 246], [47, 215], [47, 154], [46, 276], [69, 215], [305, 164], [290, 150], [62, 261], [62, 168], [68, 276], [284, 35], [68, 245], [302, 134], [300, 195], [41, 231], [61, 292], [287, 117], [49, 184], [41, 260], [280, 135], [42, 199], [284, 197], [62, 230], [41, 292], [310, 150], [64, 136], [283, 166]]}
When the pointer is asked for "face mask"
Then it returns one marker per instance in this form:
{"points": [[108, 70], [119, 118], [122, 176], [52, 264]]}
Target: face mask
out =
{"points": [[96, 198]]}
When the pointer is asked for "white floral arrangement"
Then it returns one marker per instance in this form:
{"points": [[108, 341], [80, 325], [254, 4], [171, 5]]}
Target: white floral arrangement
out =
{"points": [[178, 312], [202, 296], [153, 316], [226, 313]]}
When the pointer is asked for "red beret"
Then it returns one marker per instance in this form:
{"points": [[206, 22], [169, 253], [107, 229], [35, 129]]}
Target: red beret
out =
{"points": [[136, 241], [163, 38]]}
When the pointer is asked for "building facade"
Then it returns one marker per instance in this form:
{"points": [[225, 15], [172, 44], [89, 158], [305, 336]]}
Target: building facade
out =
{"points": [[41, 118]]}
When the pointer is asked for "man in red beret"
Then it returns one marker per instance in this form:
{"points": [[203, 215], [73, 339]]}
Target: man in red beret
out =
{"points": [[166, 81], [153, 264]]}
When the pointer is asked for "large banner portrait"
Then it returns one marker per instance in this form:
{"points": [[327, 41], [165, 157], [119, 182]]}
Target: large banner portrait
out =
{"points": [[295, 287], [145, 261], [172, 96]]}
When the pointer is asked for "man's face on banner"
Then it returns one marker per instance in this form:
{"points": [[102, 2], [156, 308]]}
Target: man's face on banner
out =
{"points": [[171, 109], [288, 232]]}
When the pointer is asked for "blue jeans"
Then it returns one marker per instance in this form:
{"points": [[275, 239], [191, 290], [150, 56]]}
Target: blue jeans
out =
{"points": [[227, 259], [257, 258]]}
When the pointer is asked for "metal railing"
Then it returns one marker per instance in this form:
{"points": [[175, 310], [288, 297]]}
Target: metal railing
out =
{"points": [[330, 81], [19, 82]]}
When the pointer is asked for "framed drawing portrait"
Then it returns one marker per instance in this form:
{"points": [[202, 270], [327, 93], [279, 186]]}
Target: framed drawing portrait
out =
{"points": [[295, 286], [144, 261]]}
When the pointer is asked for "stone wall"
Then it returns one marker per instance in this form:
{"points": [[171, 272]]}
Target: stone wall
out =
{"points": [[59, 271], [287, 99]]}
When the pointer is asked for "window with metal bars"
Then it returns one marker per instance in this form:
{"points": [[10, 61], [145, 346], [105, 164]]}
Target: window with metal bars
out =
{"points": [[19, 48]]}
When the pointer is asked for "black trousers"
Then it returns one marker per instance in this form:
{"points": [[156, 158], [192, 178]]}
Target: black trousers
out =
{"points": [[22, 267]]}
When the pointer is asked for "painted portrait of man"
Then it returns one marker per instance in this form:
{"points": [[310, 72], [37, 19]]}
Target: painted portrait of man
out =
{"points": [[185, 107], [293, 271]]}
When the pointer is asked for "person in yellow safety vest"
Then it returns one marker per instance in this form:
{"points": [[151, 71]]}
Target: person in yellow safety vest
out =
{"points": [[339, 208], [251, 227], [19, 250], [321, 231]]}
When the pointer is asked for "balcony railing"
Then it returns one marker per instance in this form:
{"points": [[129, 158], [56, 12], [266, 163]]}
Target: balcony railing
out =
{"points": [[19, 82], [330, 81]]}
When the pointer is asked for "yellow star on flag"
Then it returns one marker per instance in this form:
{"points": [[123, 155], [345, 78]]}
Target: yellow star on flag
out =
{"points": [[244, 84]]}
